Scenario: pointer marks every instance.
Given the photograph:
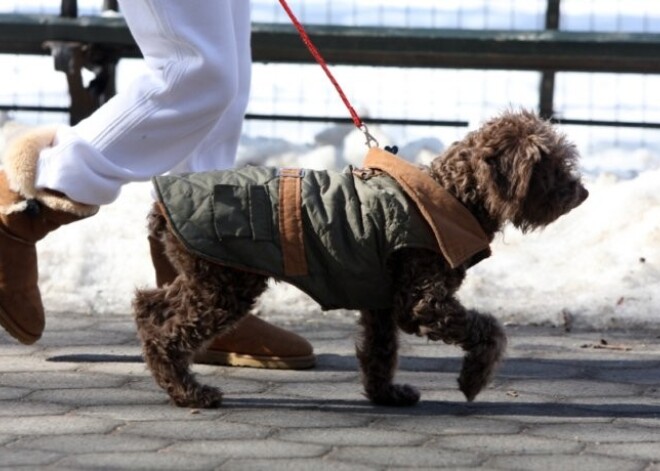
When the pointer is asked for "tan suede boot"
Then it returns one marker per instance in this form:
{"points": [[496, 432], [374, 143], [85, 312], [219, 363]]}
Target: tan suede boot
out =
{"points": [[253, 342], [26, 216]]}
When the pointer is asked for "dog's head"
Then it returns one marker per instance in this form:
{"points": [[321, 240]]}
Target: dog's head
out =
{"points": [[518, 168]]}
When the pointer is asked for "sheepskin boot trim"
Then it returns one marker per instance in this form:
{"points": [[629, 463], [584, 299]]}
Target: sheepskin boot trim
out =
{"points": [[20, 165], [459, 235], [252, 343]]}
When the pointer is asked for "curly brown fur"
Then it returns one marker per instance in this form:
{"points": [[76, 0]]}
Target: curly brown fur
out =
{"points": [[203, 301], [514, 169]]}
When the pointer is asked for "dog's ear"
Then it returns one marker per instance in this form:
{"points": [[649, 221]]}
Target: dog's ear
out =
{"points": [[512, 166], [517, 165]]}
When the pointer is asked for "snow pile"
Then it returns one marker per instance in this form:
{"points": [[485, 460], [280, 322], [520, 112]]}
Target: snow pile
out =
{"points": [[597, 267]]}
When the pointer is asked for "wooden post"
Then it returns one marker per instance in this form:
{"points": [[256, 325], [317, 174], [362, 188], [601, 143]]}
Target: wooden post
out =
{"points": [[69, 9], [547, 92]]}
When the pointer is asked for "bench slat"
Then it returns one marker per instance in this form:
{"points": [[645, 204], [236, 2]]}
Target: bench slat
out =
{"points": [[375, 46]]}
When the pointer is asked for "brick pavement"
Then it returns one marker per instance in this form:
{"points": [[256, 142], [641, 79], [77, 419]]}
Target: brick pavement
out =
{"points": [[81, 399]]}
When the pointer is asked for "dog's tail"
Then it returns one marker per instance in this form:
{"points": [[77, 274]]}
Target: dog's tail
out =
{"points": [[484, 351]]}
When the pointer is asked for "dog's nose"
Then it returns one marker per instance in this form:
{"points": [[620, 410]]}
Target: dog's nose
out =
{"points": [[583, 194]]}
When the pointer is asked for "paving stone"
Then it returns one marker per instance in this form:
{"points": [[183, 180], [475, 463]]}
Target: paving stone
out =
{"points": [[572, 388], [632, 374], [264, 448], [501, 394], [431, 380], [327, 391], [13, 458], [128, 370], [56, 425], [619, 406], [89, 443], [412, 457], [597, 433], [31, 408], [540, 369], [449, 425], [506, 444], [100, 396], [8, 364], [289, 417], [143, 413], [58, 380], [122, 354], [7, 393], [554, 462], [293, 465], [59, 321], [88, 337], [82, 399], [648, 451], [195, 430], [653, 422], [480, 467], [229, 385], [544, 412], [300, 376], [132, 461], [9, 347], [353, 436]]}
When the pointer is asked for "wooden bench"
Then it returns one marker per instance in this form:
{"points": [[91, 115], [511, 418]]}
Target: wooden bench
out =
{"points": [[99, 42]]}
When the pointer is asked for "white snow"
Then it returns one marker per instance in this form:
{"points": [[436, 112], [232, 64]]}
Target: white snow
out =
{"points": [[596, 267]]}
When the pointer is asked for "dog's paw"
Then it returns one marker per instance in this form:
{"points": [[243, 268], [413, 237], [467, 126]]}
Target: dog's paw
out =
{"points": [[397, 395], [204, 397]]}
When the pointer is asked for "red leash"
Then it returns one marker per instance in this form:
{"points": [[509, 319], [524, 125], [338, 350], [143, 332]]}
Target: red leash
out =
{"points": [[321, 61]]}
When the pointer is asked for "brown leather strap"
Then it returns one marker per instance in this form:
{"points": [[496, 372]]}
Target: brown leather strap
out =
{"points": [[456, 230], [291, 226]]}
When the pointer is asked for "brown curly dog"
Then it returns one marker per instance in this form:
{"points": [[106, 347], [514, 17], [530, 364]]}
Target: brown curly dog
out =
{"points": [[430, 224]]}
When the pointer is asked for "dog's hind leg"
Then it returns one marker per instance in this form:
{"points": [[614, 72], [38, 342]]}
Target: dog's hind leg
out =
{"points": [[377, 353], [170, 334], [176, 321]]}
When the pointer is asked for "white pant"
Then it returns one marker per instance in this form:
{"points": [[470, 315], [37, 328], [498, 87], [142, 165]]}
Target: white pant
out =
{"points": [[185, 114]]}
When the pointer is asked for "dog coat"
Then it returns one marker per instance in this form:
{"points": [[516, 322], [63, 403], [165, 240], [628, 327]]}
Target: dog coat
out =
{"points": [[328, 233]]}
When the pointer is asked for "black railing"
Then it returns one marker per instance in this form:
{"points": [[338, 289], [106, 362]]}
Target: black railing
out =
{"points": [[97, 43]]}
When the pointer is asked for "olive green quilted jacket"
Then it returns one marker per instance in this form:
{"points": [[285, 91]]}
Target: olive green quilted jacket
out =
{"points": [[328, 233]]}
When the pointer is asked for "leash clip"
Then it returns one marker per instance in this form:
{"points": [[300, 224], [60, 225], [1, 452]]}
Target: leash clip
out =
{"points": [[371, 140]]}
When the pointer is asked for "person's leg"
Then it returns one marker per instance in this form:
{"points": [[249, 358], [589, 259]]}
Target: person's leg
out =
{"points": [[191, 88], [217, 151], [50, 178], [253, 342], [192, 80]]}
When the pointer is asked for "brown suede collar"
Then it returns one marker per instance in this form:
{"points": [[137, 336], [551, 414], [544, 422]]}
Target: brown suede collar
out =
{"points": [[459, 235]]}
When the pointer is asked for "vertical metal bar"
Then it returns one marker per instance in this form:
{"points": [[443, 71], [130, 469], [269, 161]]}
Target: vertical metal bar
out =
{"points": [[111, 5], [547, 92], [69, 8]]}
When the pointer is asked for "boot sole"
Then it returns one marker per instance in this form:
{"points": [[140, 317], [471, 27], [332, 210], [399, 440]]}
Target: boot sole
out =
{"points": [[255, 361], [16, 331]]}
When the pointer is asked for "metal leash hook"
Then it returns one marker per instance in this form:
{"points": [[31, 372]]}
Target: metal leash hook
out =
{"points": [[371, 140]]}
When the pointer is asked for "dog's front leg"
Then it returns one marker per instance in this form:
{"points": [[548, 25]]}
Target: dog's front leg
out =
{"points": [[480, 335], [377, 353]]}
